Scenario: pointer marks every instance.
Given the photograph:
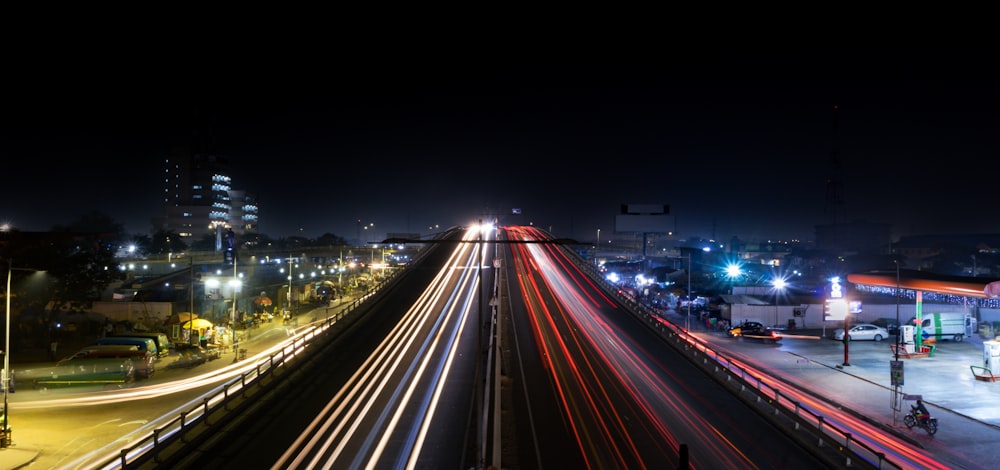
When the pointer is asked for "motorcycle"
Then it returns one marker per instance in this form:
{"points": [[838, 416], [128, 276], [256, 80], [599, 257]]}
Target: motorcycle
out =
{"points": [[921, 418]]}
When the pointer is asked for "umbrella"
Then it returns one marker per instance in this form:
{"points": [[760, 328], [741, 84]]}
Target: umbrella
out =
{"points": [[181, 317], [262, 300], [197, 324]]}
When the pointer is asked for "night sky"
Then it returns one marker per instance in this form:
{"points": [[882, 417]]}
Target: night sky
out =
{"points": [[737, 143]]}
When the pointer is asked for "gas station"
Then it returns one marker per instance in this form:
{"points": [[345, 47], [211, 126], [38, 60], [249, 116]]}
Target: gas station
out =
{"points": [[911, 338]]}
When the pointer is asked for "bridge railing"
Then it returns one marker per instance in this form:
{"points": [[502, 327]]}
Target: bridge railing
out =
{"points": [[753, 389], [175, 431]]}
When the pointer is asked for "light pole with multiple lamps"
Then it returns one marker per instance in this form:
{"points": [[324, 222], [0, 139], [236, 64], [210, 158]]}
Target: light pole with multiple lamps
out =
{"points": [[289, 284], [235, 283]]}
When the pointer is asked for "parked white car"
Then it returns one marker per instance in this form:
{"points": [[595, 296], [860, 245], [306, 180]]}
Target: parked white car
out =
{"points": [[862, 332]]}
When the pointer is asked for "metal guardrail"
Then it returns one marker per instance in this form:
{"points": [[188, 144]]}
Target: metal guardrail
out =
{"points": [[767, 398], [148, 446]]}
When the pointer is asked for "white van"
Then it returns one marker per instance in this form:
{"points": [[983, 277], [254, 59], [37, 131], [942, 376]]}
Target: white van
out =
{"points": [[946, 325]]}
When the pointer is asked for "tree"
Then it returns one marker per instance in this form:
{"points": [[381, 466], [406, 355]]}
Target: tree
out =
{"points": [[79, 260], [167, 241], [329, 239], [78, 267], [205, 243], [143, 244]]}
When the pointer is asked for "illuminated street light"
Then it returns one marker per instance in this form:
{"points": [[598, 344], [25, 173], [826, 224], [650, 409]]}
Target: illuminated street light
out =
{"points": [[289, 284], [733, 272], [779, 285], [235, 284], [7, 376], [6, 363], [597, 247], [688, 322]]}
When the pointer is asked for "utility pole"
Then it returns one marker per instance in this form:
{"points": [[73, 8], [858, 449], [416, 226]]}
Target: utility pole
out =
{"points": [[191, 296], [235, 345], [688, 322]]}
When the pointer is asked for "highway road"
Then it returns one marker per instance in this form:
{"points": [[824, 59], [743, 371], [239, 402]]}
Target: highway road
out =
{"points": [[594, 388], [585, 384], [394, 389]]}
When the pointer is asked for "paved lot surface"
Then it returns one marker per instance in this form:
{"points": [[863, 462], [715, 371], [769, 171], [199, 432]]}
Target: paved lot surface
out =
{"points": [[967, 409]]}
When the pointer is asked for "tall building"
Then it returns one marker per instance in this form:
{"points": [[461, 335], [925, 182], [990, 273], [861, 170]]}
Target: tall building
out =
{"points": [[198, 198], [243, 213]]}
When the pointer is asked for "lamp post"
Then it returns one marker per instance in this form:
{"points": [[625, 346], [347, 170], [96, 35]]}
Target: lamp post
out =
{"points": [[779, 284], [6, 361], [235, 346], [687, 321], [898, 335], [597, 247], [7, 376], [733, 271], [289, 284], [191, 299]]}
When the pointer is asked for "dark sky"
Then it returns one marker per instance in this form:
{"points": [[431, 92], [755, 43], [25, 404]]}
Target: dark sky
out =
{"points": [[736, 142]]}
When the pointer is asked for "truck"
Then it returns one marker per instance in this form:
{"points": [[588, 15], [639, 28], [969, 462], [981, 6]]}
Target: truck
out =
{"points": [[945, 325], [84, 371]]}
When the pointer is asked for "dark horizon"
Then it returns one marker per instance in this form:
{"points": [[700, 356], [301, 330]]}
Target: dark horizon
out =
{"points": [[737, 144]]}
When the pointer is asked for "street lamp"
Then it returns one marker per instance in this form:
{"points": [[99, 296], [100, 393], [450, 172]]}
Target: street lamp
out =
{"points": [[733, 272], [778, 284], [899, 336], [6, 362], [597, 247], [7, 376], [687, 323], [234, 284]]}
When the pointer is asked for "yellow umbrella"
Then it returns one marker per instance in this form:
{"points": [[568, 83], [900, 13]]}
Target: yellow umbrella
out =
{"points": [[181, 317], [197, 324]]}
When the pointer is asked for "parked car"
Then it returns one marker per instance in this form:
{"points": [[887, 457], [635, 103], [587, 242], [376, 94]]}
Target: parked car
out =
{"points": [[162, 341], [144, 344], [862, 332], [188, 356], [890, 324], [142, 361], [83, 371], [754, 330]]}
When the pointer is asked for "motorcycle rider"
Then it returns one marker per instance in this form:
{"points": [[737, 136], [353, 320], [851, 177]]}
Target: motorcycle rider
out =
{"points": [[921, 411]]}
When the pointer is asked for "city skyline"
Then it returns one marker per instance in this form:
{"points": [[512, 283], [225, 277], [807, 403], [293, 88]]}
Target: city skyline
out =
{"points": [[737, 144]]}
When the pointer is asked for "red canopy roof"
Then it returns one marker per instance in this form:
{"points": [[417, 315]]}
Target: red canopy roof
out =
{"points": [[981, 288]]}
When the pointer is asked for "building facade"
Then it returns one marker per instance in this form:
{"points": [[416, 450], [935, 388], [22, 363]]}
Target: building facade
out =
{"points": [[198, 198]]}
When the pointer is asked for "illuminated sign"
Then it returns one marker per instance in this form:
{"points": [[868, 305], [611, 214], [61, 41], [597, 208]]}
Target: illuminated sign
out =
{"points": [[836, 306], [835, 310], [836, 290]]}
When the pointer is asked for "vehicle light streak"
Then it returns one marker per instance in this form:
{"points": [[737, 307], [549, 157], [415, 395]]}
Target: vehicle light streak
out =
{"points": [[791, 396], [144, 392], [901, 452], [385, 411], [603, 380]]}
